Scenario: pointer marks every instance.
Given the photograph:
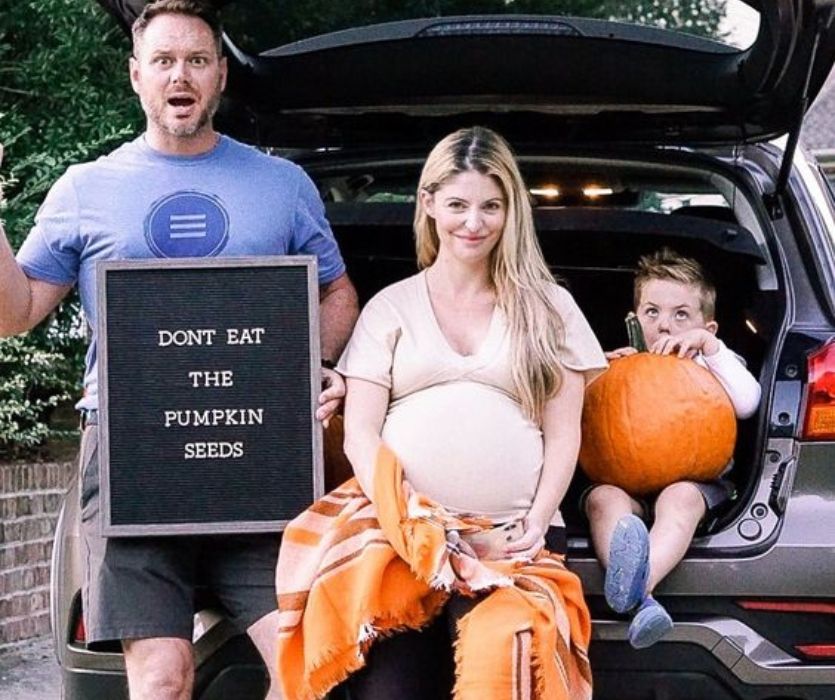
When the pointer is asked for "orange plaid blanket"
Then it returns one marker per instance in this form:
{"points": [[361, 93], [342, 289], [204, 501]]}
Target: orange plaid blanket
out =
{"points": [[351, 571]]}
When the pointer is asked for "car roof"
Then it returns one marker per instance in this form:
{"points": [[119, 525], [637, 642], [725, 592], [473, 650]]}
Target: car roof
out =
{"points": [[562, 79]]}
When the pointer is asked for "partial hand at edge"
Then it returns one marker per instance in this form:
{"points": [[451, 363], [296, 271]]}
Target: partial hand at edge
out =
{"points": [[1, 181], [330, 400]]}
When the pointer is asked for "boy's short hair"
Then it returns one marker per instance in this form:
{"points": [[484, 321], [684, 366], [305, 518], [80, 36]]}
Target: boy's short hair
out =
{"points": [[190, 8], [666, 264]]}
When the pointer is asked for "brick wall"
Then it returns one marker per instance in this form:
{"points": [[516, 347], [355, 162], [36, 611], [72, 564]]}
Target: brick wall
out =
{"points": [[30, 495]]}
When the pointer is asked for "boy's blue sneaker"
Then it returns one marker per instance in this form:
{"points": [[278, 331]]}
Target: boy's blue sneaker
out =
{"points": [[626, 577], [650, 623]]}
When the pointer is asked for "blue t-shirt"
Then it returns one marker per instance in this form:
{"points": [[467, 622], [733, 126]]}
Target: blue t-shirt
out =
{"points": [[232, 201]]}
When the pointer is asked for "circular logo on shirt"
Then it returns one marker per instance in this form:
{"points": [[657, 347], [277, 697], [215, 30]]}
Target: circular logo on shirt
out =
{"points": [[187, 225]]}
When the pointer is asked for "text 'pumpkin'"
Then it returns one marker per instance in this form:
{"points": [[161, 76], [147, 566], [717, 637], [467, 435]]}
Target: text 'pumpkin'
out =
{"points": [[651, 420]]}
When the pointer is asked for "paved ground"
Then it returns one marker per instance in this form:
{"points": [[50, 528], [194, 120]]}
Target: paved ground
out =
{"points": [[30, 672]]}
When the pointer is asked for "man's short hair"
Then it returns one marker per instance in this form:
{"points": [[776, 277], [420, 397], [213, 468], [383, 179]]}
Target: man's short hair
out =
{"points": [[666, 264], [190, 8]]}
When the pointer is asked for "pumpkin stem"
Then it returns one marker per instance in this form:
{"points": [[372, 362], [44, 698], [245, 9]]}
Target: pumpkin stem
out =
{"points": [[635, 333]]}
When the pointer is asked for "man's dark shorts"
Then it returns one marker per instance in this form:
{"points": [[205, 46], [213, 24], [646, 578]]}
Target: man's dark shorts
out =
{"points": [[145, 587]]}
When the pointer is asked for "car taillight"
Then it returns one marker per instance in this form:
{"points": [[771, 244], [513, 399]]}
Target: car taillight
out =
{"points": [[810, 629], [799, 606], [819, 423], [817, 651], [79, 634]]}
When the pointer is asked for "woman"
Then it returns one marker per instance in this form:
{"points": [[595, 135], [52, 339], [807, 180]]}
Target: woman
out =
{"points": [[471, 374]]}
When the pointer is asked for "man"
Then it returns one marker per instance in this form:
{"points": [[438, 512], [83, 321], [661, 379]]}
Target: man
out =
{"points": [[121, 206]]}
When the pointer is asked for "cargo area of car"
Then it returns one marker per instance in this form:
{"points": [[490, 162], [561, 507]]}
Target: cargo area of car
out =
{"points": [[592, 250]]}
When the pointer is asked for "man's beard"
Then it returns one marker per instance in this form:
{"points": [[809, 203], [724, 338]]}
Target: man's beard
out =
{"points": [[191, 129]]}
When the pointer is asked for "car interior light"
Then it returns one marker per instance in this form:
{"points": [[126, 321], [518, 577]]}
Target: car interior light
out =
{"points": [[750, 325], [790, 606], [819, 423], [551, 192], [593, 191]]}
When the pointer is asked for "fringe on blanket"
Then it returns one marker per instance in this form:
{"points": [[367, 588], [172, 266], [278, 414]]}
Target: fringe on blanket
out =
{"points": [[351, 571]]}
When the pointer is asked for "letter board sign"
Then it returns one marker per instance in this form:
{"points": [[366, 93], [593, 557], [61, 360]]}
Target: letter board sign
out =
{"points": [[208, 381]]}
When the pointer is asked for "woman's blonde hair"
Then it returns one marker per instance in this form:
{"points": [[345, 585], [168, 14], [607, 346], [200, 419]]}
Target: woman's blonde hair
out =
{"points": [[524, 284]]}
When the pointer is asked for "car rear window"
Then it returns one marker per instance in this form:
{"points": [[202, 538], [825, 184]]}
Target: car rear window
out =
{"points": [[258, 25], [550, 184]]}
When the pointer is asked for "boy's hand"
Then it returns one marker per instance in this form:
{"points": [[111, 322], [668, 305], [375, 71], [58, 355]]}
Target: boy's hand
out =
{"points": [[687, 344], [620, 352]]}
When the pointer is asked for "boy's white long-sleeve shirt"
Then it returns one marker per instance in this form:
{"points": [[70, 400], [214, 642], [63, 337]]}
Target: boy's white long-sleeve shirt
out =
{"points": [[741, 386]]}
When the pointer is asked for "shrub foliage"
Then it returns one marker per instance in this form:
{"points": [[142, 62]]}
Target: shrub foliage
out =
{"points": [[64, 97]]}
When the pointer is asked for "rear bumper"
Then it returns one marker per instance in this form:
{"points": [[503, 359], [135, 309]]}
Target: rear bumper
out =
{"points": [[86, 684], [718, 658], [227, 666]]}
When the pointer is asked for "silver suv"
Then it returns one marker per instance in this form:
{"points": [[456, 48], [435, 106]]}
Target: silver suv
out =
{"points": [[630, 137]]}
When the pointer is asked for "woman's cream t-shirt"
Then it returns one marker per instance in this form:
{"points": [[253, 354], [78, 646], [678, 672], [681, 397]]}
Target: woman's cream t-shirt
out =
{"points": [[453, 420]]}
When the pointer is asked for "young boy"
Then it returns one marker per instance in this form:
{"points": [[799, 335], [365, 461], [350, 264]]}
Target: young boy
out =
{"points": [[674, 302]]}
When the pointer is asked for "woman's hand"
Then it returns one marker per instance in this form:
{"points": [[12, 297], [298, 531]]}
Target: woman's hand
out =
{"points": [[333, 391], [531, 542], [620, 352]]}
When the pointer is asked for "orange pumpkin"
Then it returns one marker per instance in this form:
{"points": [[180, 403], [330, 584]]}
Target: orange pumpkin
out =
{"points": [[651, 420]]}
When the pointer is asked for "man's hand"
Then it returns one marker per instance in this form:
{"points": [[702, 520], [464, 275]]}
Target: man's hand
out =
{"points": [[620, 352], [333, 391], [687, 344]]}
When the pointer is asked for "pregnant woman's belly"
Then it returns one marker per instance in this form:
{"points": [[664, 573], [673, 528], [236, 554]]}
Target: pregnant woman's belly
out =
{"points": [[468, 447]]}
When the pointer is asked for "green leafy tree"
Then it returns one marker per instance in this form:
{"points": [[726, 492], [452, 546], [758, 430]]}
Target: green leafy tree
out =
{"points": [[64, 97], [701, 17]]}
